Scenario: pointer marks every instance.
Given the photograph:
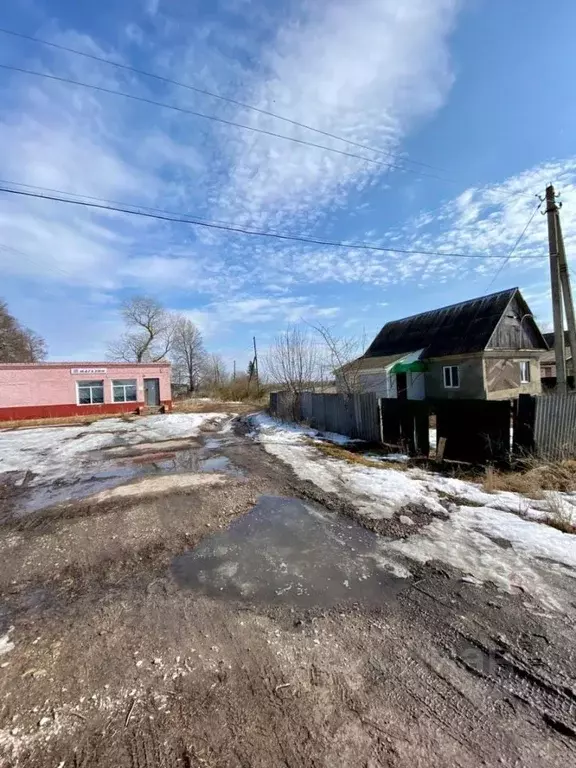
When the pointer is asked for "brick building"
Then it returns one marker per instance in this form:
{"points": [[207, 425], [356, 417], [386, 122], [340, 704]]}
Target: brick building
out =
{"points": [[49, 390]]}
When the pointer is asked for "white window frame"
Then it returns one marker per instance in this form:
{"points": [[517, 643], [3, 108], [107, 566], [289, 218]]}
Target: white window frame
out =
{"points": [[448, 380], [525, 366], [115, 385], [80, 384]]}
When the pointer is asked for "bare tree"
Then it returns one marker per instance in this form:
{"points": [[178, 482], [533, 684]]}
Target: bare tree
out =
{"points": [[18, 344], [214, 372], [149, 335], [293, 361], [188, 350], [34, 345], [341, 359]]}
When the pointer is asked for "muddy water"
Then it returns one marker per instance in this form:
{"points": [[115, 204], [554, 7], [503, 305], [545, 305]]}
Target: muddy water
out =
{"points": [[102, 472], [290, 552]]}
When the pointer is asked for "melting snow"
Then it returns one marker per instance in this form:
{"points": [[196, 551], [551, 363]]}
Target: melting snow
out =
{"points": [[55, 452], [490, 541]]}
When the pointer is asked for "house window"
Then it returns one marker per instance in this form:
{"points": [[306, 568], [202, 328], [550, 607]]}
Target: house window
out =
{"points": [[451, 376], [524, 372], [547, 372], [124, 390], [90, 392]]}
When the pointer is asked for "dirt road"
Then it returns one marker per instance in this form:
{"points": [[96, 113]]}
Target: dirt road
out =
{"points": [[191, 622]]}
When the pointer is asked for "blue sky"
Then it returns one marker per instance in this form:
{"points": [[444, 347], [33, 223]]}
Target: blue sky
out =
{"points": [[479, 90]]}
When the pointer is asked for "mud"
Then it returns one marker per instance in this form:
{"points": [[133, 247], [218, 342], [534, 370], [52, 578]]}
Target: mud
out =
{"points": [[285, 551], [113, 467], [123, 657]]}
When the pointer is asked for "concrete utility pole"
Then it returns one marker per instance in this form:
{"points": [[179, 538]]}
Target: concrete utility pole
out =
{"points": [[256, 368], [557, 314], [567, 293]]}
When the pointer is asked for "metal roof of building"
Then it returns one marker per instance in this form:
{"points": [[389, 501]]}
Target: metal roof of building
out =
{"points": [[457, 329]]}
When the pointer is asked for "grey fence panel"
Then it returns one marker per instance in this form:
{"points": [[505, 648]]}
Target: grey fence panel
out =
{"points": [[306, 406], [356, 416], [367, 417], [274, 403], [318, 419], [555, 426]]}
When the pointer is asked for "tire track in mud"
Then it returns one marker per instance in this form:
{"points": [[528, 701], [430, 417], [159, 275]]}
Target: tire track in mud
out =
{"points": [[554, 702]]}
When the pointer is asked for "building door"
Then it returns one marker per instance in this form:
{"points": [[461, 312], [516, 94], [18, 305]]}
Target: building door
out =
{"points": [[152, 391], [401, 386]]}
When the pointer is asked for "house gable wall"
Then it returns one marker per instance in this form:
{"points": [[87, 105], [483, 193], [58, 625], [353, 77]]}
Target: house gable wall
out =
{"points": [[516, 329], [502, 375]]}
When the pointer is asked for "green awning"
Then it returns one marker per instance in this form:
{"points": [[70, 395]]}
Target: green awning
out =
{"points": [[416, 366]]}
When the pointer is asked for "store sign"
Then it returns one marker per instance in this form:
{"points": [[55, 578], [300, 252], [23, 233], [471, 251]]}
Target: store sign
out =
{"points": [[87, 370]]}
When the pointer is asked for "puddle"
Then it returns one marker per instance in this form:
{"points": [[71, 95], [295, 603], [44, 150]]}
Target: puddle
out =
{"points": [[101, 472], [285, 551]]}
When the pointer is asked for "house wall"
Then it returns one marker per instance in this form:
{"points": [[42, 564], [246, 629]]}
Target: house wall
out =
{"points": [[471, 378], [416, 386], [502, 376], [516, 330], [378, 382], [49, 389]]}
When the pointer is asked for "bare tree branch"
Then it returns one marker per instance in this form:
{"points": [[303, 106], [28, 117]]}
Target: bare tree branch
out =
{"points": [[18, 344], [149, 335], [343, 358], [188, 349], [293, 361]]}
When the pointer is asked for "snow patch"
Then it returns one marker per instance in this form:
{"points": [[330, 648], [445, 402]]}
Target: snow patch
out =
{"points": [[496, 540], [161, 484], [6, 645], [56, 452]]}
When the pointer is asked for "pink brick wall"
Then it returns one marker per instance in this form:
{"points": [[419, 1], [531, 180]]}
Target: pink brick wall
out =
{"points": [[54, 384]]}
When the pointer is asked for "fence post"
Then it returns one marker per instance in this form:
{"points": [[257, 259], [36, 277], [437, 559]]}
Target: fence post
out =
{"points": [[523, 427]]}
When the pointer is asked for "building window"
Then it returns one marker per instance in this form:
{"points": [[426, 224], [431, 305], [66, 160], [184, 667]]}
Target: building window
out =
{"points": [[547, 372], [90, 392], [524, 372], [451, 376], [124, 390]]}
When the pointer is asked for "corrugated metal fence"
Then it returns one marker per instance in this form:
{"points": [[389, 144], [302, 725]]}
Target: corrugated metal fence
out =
{"points": [[356, 416], [475, 431], [548, 423]]}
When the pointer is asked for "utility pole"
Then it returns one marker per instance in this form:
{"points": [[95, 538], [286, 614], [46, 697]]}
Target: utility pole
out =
{"points": [[234, 374], [256, 368], [567, 293], [557, 314]]}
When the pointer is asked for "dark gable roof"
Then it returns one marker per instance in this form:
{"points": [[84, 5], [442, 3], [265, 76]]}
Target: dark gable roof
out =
{"points": [[457, 329], [549, 339]]}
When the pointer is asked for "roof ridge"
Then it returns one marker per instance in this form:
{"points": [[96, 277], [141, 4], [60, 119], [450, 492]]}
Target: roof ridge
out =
{"points": [[452, 306]]}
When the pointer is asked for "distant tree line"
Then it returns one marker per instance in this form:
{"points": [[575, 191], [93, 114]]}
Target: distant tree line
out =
{"points": [[17, 343]]}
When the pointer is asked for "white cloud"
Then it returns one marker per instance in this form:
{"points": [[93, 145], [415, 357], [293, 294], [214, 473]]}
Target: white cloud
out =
{"points": [[252, 311], [372, 71], [367, 71], [152, 7]]}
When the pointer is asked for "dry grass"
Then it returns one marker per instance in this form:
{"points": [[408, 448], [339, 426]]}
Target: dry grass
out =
{"points": [[215, 406], [63, 421], [559, 513], [533, 479], [337, 452]]}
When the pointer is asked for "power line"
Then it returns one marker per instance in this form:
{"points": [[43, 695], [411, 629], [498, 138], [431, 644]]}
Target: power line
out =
{"points": [[110, 202], [205, 92], [162, 104], [34, 261], [243, 230], [516, 244]]}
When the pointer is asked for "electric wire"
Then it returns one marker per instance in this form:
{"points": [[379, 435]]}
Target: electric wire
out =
{"points": [[194, 113], [189, 219], [515, 246], [206, 92]]}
